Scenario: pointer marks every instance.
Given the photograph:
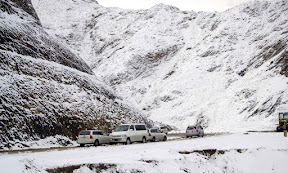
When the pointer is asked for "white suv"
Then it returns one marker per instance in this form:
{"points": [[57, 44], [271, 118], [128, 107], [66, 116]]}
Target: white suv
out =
{"points": [[164, 130], [128, 133], [194, 131]]}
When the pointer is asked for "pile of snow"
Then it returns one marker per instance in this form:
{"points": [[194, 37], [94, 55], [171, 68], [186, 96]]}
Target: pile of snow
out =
{"points": [[253, 152], [56, 141], [225, 70]]}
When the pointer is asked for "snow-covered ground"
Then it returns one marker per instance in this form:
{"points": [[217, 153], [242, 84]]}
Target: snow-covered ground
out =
{"points": [[242, 152], [56, 141], [53, 142]]}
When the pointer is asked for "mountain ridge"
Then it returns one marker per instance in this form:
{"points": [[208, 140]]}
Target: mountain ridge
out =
{"points": [[186, 67], [46, 91]]}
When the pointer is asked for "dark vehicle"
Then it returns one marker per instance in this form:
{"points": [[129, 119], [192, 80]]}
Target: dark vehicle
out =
{"points": [[282, 113]]}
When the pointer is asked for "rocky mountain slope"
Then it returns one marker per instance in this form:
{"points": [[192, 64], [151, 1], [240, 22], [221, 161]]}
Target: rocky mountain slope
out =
{"points": [[227, 71], [45, 89]]}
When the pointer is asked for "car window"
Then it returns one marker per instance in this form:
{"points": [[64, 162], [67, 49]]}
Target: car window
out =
{"points": [[285, 115], [132, 127], [153, 130], [97, 133], [104, 134], [84, 132], [121, 128], [199, 127], [163, 127], [140, 127]]}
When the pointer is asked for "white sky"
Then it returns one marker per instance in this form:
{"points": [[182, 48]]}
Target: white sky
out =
{"points": [[195, 5]]}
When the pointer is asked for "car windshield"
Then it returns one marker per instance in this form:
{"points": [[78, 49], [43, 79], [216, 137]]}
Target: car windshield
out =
{"points": [[121, 128], [283, 115]]}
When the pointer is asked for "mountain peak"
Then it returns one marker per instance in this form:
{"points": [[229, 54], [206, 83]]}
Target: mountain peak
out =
{"points": [[26, 6], [165, 7]]}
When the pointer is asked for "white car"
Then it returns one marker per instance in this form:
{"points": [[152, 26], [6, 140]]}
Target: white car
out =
{"points": [[156, 135], [128, 133], [194, 131], [164, 130], [96, 137]]}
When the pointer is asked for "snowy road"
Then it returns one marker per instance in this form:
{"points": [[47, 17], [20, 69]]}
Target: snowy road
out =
{"points": [[248, 152], [171, 137]]}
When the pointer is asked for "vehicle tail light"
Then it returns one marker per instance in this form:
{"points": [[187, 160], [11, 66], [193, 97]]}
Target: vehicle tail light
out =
{"points": [[91, 137], [149, 134], [186, 131], [197, 130]]}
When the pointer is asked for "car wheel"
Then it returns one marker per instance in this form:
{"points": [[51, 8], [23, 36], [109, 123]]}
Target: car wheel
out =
{"points": [[143, 140], [128, 141], [154, 139], [165, 138], [82, 145], [96, 143]]}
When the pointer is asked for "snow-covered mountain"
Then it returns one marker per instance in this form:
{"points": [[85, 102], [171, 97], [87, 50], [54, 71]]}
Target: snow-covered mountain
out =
{"points": [[45, 89], [227, 71]]}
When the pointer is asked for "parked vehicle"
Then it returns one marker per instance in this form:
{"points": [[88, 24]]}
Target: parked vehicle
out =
{"points": [[194, 131], [282, 114], [128, 133], [96, 137], [164, 130], [156, 135]]}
